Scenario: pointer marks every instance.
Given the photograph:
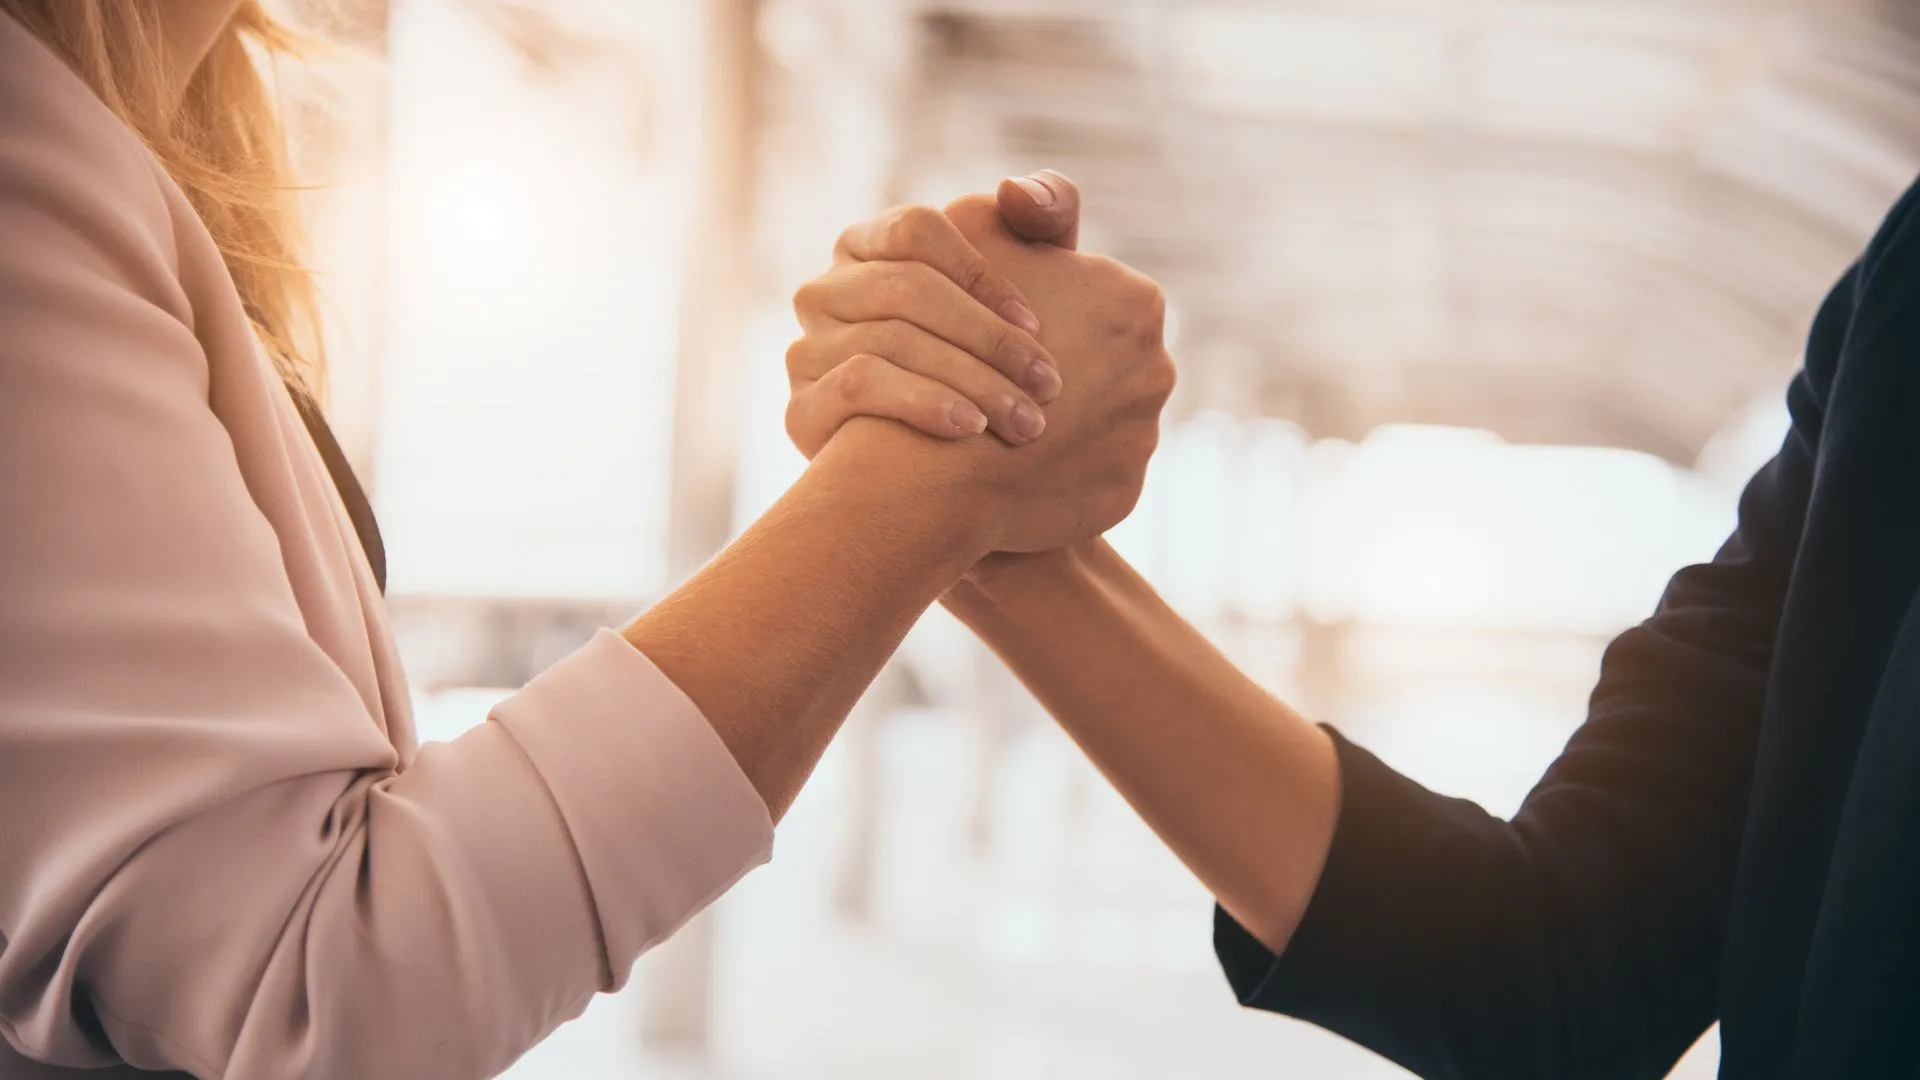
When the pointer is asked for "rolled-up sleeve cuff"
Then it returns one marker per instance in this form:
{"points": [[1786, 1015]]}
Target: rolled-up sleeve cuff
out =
{"points": [[1340, 939], [659, 812]]}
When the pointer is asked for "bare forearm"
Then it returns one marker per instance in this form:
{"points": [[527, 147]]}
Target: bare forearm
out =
{"points": [[776, 639], [1238, 785]]}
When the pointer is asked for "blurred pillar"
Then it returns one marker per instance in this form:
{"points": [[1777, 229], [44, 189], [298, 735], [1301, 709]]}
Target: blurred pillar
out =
{"points": [[676, 1005], [1323, 675], [1001, 704], [339, 131], [854, 884]]}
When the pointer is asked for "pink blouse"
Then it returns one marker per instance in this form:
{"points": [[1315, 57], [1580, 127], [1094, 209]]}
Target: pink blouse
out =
{"points": [[221, 851]]}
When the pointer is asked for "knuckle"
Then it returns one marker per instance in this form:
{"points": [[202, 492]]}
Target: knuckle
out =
{"points": [[1153, 377], [1150, 304], [854, 379], [893, 229], [847, 244], [910, 229], [806, 428], [1153, 302], [807, 297], [1166, 374], [1146, 288], [973, 213], [797, 351]]}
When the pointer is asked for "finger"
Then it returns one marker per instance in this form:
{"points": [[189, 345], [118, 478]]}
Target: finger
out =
{"points": [[868, 385], [1010, 413], [1043, 206], [923, 234], [916, 293]]}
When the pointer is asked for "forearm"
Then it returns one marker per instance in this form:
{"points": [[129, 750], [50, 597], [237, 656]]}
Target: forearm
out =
{"points": [[1238, 785], [776, 639]]}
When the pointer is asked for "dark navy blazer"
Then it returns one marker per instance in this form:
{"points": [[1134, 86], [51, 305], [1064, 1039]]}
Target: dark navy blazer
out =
{"points": [[1733, 834]]}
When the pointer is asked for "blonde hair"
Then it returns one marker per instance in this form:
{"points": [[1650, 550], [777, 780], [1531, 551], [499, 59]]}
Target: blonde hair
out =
{"points": [[221, 140]]}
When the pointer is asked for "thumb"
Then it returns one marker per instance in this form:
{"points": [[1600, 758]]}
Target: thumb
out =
{"points": [[1042, 206]]}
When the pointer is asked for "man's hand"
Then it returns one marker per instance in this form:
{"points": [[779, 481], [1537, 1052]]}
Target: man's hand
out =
{"points": [[1103, 324]]}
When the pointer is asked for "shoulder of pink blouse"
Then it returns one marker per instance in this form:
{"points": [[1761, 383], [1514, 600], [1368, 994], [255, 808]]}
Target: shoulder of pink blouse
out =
{"points": [[212, 858]]}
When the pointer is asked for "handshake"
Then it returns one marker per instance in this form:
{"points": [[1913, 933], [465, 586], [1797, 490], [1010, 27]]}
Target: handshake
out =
{"points": [[984, 318], [979, 401]]}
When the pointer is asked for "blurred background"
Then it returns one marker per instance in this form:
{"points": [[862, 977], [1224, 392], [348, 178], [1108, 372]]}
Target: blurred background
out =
{"points": [[1484, 312]]}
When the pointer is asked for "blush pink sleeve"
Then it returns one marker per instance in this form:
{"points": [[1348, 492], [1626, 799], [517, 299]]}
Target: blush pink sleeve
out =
{"points": [[213, 857]]}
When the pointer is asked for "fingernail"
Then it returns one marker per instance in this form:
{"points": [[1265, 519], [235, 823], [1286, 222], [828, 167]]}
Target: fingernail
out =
{"points": [[1027, 421], [1021, 316], [1036, 189], [1042, 381], [968, 418]]}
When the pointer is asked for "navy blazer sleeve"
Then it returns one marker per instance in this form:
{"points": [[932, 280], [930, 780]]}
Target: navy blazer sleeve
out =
{"points": [[1583, 937]]}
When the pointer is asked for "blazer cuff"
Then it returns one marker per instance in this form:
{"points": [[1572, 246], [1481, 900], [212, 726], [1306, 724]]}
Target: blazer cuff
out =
{"points": [[661, 816], [1338, 945]]}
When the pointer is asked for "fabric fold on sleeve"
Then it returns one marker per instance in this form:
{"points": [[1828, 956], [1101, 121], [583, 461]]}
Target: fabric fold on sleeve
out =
{"points": [[1383, 816], [662, 817]]}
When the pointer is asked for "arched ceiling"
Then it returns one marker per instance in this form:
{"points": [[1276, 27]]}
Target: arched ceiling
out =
{"points": [[1566, 221]]}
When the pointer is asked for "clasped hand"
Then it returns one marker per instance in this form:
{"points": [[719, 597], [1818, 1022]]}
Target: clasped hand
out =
{"points": [[954, 325]]}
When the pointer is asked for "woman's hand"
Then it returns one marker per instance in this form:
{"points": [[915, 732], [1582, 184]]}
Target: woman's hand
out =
{"points": [[913, 324]]}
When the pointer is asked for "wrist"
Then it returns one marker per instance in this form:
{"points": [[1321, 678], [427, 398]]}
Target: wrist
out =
{"points": [[1011, 583], [906, 480]]}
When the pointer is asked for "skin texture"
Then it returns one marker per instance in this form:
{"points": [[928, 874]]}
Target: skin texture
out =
{"points": [[1242, 788]]}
